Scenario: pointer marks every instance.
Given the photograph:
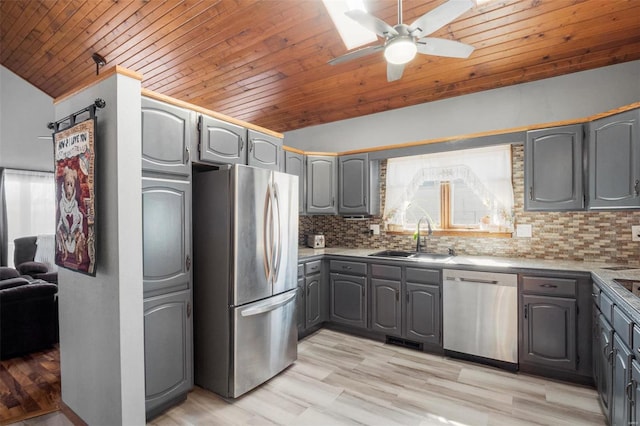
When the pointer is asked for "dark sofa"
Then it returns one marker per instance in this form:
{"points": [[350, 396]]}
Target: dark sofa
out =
{"points": [[28, 314], [23, 255]]}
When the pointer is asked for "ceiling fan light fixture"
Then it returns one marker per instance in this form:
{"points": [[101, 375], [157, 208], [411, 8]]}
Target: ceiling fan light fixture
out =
{"points": [[400, 50]]}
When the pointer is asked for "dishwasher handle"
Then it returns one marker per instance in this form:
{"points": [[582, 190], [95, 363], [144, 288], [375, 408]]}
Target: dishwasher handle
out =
{"points": [[472, 280]]}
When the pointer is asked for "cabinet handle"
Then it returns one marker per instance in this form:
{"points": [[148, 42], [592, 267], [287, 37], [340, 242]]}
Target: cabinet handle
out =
{"points": [[548, 285], [526, 309], [626, 391], [636, 187], [362, 291], [250, 145], [188, 309], [187, 263], [531, 193], [241, 144], [397, 296], [333, 201], [346, 267], [594, 294], [308, 291], [407, 296], [365, 200]]}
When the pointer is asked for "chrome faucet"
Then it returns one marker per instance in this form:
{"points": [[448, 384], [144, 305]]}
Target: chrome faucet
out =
{"points": [[429, 232]]}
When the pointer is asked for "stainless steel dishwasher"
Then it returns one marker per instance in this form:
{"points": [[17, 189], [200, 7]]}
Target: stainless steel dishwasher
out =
{"points": [[480, 314]]}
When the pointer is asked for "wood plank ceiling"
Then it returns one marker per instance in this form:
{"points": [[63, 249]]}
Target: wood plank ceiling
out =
{"points": [[265, 62]]}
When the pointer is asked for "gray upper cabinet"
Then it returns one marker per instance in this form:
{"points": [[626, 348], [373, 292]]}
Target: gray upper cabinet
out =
{"points": [[265, 151], [167, 131], [221, 142], [614, 161], [358, 189], [294, 164], [166, 235], [321, 185], [168, 350], [553, 169]]}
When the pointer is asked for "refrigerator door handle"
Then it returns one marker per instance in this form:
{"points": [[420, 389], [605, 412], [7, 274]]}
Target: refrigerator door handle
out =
{"points": [[276, 223], [268, 305], [267, 235]]}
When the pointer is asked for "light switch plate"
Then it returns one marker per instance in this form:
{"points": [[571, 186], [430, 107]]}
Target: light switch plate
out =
{"points": [[523, 231], [635, 233]]}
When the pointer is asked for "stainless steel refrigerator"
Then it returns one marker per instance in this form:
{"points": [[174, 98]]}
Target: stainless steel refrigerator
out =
{"points": [[245, 236]]}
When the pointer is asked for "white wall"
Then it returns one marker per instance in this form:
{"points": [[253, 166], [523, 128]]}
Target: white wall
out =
{"points": [[101, 317], [571, 96], [24, 114]]}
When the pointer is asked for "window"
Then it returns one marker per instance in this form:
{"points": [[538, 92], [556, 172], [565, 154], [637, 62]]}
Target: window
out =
{"points": [[30, 200], [467, 190]]}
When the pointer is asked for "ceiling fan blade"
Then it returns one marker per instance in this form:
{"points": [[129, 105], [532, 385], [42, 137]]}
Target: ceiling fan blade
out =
{"points": [[371, 23], [444, 47], [356, 54], [439, 17], [394, 72]]}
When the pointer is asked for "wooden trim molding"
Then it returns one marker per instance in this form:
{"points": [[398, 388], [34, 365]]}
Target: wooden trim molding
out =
{"points": [[97, 79], [173, 101]]}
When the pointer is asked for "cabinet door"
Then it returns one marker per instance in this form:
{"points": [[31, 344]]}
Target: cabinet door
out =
{"points": [[353, 181], [168, 349], [621, 387], [386, 311], [549, 331], [222, 142], [166, 235], [553, 169], [166, 137], [313, 284], [635, 378], [614, 161], [605, 364], [264, 151], [300, 306], [348, 300], [294, 164], [423, 313], [321, 185]]}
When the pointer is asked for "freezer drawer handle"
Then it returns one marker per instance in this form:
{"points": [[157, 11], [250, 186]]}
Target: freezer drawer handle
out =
{"points": [[474, 280], [270, 305]]}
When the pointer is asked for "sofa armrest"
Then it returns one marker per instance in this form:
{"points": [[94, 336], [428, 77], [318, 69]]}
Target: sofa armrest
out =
{"points": [[33, 290], [32, 268], [13, 282]]}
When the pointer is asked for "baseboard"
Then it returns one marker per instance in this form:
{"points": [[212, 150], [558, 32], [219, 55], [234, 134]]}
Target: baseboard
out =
{"points": [[71, 415]]}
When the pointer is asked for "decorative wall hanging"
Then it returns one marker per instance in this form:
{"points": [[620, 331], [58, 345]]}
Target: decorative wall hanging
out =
{"points": [[74, 154]]}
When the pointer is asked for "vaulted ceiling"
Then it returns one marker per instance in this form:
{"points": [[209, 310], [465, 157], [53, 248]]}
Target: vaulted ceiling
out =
{"points": [[265, 62]]}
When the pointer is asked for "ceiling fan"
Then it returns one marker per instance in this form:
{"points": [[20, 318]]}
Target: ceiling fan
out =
{"points": [[402, 42]]}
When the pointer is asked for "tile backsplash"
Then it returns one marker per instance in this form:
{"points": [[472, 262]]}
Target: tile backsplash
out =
{"points": [[589, 236]]}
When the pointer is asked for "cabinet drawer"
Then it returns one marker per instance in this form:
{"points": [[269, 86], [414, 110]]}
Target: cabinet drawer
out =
{"points": [[312, 267], [606, 306], [426, 276], [636, 340], [549, 286], [623, 325], [595, 294], [386, 271], [356, 268], [300, 269]]}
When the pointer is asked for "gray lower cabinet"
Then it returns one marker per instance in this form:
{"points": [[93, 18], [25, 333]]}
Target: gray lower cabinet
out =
{"points": [[166, 235], [300, 306], [386, 306], [313, 299], [348, 293], [312, 296], [265, 151], [358, 185], [221, 142], [167, 132], [549, 331], [322, 185], [553, 169], [605, 364], [294, 164], [614, 161], [423, 313], [635, 379], [621, 384], [167, 351]]}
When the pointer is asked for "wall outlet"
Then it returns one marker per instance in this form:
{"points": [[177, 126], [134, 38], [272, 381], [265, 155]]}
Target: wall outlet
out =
{"points": [[635, 233], [375, 229], [523, 231]]}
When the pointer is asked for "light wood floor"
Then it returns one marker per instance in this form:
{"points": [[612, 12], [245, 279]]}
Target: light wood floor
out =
{"points": [[344, 380]]}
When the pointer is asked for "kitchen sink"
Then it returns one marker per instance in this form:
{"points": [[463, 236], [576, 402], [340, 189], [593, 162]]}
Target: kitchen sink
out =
{"points": [[393, 253], [426, 257]]}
